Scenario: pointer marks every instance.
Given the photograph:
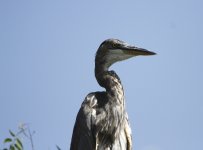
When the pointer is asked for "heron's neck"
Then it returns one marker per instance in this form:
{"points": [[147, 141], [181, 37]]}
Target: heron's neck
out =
{"points": [[111, 82]]}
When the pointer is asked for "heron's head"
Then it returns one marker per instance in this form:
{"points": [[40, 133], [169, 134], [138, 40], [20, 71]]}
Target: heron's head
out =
{"points": [[114, 50]]}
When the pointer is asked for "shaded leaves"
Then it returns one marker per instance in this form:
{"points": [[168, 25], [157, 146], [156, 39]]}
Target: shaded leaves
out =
{"points": [[7, 140]]}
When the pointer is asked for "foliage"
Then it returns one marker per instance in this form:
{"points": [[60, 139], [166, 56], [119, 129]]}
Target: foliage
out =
{"points": [[14, 142]]}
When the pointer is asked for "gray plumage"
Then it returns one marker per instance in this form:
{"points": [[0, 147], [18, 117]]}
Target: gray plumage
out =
{"points": [[102, 121]]}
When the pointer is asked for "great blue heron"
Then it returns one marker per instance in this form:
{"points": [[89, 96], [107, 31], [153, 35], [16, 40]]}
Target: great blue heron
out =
{"points": [[102, 121]]}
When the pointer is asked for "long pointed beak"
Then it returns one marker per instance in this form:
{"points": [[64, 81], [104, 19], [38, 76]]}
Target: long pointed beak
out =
{"points": [[135, 51]]}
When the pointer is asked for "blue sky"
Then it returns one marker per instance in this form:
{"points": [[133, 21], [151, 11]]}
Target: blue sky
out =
{"points": [[47, 51]]}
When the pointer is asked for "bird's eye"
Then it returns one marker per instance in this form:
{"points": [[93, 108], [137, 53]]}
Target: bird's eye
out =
{"points": [[115, 45]]}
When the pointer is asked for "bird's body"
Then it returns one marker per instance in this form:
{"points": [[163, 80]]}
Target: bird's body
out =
{"points": [[102, 121]]}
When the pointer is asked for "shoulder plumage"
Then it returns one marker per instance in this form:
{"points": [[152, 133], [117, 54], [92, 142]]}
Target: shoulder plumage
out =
{"points": [[83, 137], [90, 100]]}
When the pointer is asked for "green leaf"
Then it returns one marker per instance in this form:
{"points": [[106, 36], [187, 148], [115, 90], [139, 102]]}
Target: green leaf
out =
{"points": [[12, 147], [18, 147], [7, 140], [11, 133], [19, 143]]}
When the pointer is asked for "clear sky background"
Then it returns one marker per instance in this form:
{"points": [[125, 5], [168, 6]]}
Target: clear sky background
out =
{"points": [[47, 50]]}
